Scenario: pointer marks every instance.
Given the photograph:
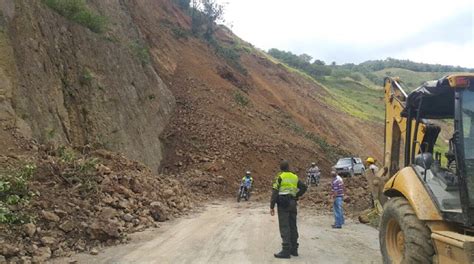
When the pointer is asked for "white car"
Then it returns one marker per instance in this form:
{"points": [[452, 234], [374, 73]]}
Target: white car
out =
{"points": [[350, 166]]}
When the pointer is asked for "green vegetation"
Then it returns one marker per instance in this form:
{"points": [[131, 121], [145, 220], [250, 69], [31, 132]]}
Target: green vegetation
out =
{"points": [[14, 193], [241, 99], [377, 65], [141, 52], [354, 98], [86, 78], [231, 54], [302, 62], [78, 170], [410, 78], [355, 88], [79, 12]]}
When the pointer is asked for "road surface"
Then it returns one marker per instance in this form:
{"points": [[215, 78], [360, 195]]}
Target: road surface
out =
{"points": [[230, 232]]}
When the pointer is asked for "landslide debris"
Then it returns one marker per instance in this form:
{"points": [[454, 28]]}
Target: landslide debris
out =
{"points": [[356, 196], [84, 199]]}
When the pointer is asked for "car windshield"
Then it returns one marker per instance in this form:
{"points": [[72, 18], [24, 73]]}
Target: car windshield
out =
{"points": [[467, 108], [344, 162]]}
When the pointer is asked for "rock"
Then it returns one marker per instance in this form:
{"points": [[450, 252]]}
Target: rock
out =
{"points": [[107, 213], [67, 226], [41, 254], [94, 251], [47, 241], [168, 193], [104, 230], [9, 250], [103, 170], [60, 213], [157, 212], [127, 217], [364, 219], [3, 259], [124, 204], [24, 260], [30, 229], [50, 216]]}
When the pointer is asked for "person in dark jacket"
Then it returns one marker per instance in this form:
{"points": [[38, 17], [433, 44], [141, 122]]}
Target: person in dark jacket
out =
{"points": [[287, 188]]}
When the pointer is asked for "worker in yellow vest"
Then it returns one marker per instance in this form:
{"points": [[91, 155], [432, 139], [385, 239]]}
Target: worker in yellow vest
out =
{"points": [[287, 188]]}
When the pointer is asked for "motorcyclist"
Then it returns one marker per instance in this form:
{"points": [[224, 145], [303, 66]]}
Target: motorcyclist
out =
{"points": [[247, 181], [314, 173]]}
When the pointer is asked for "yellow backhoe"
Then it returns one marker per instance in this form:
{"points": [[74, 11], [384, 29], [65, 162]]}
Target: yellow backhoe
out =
{"points": [[427, 196]]}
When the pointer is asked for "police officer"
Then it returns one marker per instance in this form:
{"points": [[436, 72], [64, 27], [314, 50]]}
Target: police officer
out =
{"points": [[287, 188]]}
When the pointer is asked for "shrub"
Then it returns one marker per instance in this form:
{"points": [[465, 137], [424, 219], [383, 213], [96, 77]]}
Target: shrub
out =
{"points": [[77, 11], [241, 99], [141, 51], [230, 54], [14, 192], [86, 77]]}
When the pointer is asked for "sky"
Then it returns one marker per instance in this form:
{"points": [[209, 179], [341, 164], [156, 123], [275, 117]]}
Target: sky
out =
{"points": [[348, 31]]}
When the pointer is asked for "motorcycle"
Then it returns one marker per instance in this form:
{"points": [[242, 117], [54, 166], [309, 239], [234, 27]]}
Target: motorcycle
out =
{"points": [[244, 192], [313, 179]]}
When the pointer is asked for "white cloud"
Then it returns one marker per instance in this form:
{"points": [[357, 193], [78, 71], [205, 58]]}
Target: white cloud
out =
{"points": [[442, 53], [373, 24]]}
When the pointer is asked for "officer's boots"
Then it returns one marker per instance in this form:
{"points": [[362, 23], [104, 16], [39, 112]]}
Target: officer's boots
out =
{"points": [[294, 250], [284, 253]]}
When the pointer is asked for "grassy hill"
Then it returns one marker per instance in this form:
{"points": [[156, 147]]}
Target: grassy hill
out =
{"points": [[410, 78]]}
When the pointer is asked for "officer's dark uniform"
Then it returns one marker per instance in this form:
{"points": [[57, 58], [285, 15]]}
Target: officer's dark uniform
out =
{"points": [[287, 188]]}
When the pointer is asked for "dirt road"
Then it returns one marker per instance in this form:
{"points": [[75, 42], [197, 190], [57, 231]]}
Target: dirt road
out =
{"points": [[228, 232]]}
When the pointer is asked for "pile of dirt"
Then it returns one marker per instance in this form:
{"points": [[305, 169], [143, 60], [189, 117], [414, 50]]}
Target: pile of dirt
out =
{"points": [[356, 196], [83, 200]]}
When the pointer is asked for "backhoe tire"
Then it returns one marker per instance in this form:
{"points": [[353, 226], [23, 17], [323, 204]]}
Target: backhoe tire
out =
{"points": [[403, 237]]}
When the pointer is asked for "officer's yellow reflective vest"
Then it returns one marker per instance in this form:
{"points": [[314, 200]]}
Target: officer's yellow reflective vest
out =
{"points": [[288, 184]]}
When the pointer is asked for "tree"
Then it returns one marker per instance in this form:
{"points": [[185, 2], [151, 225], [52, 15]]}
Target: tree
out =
{"points": [[305, 57], [319, 62], [213, 12]]}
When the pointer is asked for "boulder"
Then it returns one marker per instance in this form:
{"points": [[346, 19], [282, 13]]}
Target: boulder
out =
{"points": [[9, 250], [67, 226], [364, 219], [41, 254], [48, 241], [107, 213], [30, 229], [157, 212], [50, 216], [127, 217]]}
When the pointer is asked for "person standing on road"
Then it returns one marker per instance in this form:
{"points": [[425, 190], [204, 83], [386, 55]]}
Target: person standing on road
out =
{"points": [[337, 185], [287, 188]]}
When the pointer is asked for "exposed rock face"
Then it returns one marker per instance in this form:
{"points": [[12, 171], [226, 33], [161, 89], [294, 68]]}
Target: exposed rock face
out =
{"points": [[78, 87]]}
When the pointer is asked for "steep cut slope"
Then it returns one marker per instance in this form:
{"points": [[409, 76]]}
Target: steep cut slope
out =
{"points": [[63, 83]]}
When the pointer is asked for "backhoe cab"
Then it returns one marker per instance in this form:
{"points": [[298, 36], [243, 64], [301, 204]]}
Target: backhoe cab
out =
{"points": [[429, 214]]}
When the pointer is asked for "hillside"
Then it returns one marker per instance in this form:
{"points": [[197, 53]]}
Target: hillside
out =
{"points": [[359, 87], [119, 116], [411, 79]]}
